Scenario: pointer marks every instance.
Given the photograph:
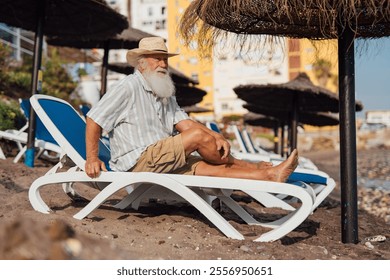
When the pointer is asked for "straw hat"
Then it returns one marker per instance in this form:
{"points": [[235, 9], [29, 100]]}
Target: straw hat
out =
{"points": [[148, 45]]}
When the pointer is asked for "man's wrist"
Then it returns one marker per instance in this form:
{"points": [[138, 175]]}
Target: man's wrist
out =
{"points": [[92, 157]]}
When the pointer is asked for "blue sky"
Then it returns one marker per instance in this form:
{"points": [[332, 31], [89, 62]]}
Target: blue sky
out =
{"points": [[372, 74]]}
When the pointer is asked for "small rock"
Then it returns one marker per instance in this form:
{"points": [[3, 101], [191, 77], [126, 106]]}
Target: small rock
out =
{"points": [[73, 247], [369, 245], [376, 238], [245, 248]]}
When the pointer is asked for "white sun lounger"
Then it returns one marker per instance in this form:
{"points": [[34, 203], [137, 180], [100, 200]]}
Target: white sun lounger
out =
{"points": [[68, 129]]}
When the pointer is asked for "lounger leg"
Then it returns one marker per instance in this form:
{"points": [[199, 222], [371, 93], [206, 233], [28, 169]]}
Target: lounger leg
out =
{"points": [[2, 156], [20, 154], [270, 200], [290, 221], [133, 197], [324, 193], [174, 186]]}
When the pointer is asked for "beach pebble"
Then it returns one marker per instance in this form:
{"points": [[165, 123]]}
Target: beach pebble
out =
{"points": [[245, 248], [376, 238], [369, 245], [73, 247]]}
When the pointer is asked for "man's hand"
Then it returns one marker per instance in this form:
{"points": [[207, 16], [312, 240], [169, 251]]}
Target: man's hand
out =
{"points": [[223, 146], [93, 166]]}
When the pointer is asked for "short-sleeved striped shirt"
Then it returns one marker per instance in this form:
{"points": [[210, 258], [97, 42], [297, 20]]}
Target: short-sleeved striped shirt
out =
{"points": [[134, 119]]}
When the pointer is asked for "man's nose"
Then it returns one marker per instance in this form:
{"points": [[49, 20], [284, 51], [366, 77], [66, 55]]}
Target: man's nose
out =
{"points": [[163, 63]]}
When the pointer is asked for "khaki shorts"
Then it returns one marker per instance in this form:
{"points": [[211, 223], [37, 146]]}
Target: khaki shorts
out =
{"points": [[167, 156]]}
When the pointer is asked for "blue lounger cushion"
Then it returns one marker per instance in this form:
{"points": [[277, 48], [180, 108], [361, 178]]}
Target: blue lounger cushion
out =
{"points": [[56, 111], [307, 178]]}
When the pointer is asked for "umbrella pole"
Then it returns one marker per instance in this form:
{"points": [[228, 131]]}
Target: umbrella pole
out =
{"points": [[36, 84], [348, 172], [276, 139], [103, 78], [282, 139], [294, 125]]}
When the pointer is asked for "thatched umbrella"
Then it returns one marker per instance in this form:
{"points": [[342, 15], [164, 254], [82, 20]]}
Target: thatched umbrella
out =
{"points": [[71, 18], [205, 20], [177, 76], [292, 101], [128, 39], [65, 18], [298, 94]]}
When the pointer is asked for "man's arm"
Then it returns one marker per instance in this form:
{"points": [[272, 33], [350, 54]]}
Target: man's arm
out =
{"points": [[220, 141], [93, 164]]}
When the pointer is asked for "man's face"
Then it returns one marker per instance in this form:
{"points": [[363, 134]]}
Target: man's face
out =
{"points": [[157, 63], [154, 68]]}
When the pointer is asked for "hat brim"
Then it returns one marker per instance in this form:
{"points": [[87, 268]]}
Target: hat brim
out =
{"points": [[133, 55]]}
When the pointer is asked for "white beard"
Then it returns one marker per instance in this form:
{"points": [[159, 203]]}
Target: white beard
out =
{"points": [[161, 84]]}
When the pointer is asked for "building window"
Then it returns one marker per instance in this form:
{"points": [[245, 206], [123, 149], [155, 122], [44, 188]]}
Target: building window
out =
{"points": [[163, 10], [193, 60], [195, 76], [150, 11]]}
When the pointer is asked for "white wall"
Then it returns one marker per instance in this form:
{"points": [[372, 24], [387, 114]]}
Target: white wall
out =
{"points": [[150, 16]]}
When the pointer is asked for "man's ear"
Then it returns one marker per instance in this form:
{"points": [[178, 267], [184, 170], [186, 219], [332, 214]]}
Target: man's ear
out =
{"points": [[141, 64]]}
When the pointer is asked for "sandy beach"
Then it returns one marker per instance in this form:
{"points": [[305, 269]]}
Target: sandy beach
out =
{"points": [[161, 231]]}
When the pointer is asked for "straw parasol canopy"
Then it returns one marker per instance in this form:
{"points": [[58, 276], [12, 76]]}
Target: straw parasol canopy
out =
{"points": [[299, 92], [304, 117], [291, 101], [177, 76], [207, 20], [65, 18]]}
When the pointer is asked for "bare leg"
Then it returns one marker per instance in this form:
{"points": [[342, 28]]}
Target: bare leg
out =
{"points": [[277, 173], [204, 144]]}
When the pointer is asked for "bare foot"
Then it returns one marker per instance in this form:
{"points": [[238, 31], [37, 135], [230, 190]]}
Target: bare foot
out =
{"points": [[283, 170], [264, 164]]}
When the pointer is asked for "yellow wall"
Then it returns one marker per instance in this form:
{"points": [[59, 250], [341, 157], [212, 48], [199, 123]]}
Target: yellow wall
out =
{"points": [[188, 61]]}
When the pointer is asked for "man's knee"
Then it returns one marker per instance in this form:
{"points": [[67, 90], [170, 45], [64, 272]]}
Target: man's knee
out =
{"points": [[202, 137], [199, 137]]}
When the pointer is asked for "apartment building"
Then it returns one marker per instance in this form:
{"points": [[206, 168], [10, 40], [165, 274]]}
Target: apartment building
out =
{"points": [[150, 16]]}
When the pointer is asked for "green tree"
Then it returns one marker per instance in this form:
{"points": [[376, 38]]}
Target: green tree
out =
{"points": [[56, 79], [10, 115]]}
